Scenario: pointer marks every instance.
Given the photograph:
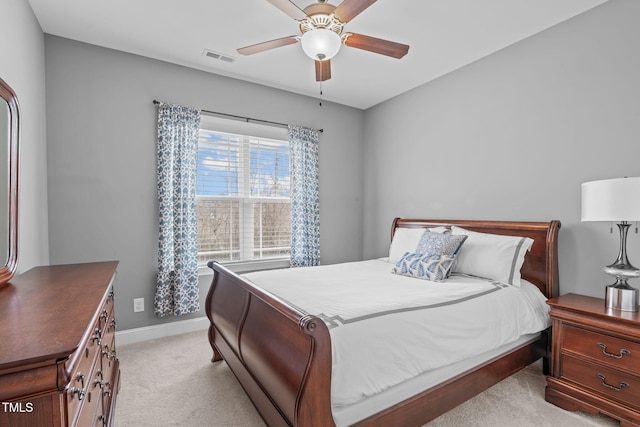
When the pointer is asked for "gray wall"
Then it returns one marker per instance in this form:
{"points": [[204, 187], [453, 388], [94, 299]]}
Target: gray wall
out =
{"points": [[102, 159], [512, 137], [22, 67]]}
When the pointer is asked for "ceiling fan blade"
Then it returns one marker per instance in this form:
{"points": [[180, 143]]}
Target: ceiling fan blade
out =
{"points": [[349, 9], [271, 44], [323, 70], [372, 44], [289, 8]]}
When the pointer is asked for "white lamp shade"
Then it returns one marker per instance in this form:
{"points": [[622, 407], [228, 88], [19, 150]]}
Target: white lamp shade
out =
{"points": [[321, 44], [611, 200]]}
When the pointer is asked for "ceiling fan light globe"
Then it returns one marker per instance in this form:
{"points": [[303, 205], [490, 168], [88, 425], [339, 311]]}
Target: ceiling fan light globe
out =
{"points": [[320, 44]]}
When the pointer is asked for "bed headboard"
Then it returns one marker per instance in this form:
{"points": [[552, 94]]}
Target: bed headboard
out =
{"points": [[541, 263]]}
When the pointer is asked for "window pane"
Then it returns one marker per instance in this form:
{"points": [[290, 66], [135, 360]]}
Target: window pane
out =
{"points": [[272, 229], [269, 168], [218, 163], [218, 229]]}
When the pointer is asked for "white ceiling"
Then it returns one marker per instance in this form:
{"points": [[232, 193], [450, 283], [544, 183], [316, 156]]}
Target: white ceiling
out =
{"points": [[443, 34]]}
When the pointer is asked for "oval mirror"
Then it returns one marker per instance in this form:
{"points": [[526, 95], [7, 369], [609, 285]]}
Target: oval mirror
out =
{"points": [[9, 133]]}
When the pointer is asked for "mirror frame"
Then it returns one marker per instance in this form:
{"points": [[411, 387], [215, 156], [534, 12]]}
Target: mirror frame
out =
{"points": [[8, 270]]}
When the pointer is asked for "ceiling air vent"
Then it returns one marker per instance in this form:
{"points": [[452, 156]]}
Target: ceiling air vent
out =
{"points": [[217, 55]]}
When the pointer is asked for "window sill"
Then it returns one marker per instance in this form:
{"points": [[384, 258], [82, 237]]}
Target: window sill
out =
{"points": [[247, 266]]}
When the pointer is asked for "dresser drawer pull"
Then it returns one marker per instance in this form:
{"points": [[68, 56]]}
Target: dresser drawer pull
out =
{"points": [[80, 377], [623, 352], [619, 388], [97, 336], [79, 392], [107, 389]]}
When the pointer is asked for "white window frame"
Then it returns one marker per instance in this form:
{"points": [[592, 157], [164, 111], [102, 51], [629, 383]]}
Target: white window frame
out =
{"points": [[248, 130]]}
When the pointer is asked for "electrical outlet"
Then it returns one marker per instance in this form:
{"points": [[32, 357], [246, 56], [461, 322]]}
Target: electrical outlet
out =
{"points": [[138, 304]]}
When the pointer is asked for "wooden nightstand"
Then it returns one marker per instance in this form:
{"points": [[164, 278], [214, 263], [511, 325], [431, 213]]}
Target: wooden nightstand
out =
{"points": [[595, 358]]}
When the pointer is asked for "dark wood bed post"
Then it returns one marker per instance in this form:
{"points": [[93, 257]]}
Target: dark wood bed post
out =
{"points": [[314, 402], [282, 357], [553, 288], [216, 354]]}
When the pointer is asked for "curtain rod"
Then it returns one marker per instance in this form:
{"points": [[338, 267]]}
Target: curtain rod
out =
{"points": [[246, 119]]}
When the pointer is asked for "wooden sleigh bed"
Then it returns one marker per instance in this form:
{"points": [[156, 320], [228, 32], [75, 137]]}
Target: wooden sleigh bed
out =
{"points": [[283, 357]]}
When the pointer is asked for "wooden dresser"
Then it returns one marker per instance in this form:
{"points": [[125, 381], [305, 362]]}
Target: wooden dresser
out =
{"points": [[58, 364], [596, 358]]}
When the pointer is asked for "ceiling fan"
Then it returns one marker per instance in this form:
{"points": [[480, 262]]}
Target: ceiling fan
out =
{"points": [[321, 25]]}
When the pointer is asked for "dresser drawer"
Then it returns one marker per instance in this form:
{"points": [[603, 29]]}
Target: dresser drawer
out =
{"points": [[110, 299], [81, 377], [92, 402], [86, 381], [613, 351], [616, 385]]}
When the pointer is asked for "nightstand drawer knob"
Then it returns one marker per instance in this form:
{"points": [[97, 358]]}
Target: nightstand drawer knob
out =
{"points": [[604, 383], [623, 352]]}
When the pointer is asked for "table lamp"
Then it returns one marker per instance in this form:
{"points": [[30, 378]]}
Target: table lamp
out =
{"points": [[616, 200]]}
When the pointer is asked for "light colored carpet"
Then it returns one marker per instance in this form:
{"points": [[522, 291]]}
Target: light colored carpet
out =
{"points": [[171, 382]]}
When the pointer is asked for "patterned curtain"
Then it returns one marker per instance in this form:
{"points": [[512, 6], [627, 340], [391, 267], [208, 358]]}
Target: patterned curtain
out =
{"points": [[177, 290], [305, 200]]}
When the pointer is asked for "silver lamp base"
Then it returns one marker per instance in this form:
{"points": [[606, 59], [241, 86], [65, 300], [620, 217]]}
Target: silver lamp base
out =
{"points": [[622, 297]]}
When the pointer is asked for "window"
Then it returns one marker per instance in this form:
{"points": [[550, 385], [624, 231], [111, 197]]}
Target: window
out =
{"points": [[242, 192]]}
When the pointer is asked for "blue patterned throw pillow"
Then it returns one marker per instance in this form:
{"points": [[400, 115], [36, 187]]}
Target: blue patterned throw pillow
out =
{"points": [[440, 244], [424, 266]]}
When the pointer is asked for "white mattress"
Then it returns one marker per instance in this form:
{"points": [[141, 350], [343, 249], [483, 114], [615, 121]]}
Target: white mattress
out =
{"points": [[443, 324]]}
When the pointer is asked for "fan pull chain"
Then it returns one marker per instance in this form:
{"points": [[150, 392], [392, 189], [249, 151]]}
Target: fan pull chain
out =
{"points": [[320, 103], [611, 227]]}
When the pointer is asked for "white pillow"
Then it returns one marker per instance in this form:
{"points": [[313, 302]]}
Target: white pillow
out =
{"points": [[406, 240], [440, 229], [491, 256]]}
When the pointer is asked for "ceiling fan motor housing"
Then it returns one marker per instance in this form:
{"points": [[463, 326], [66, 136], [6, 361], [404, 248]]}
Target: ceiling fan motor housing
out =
{"points": [[320, 15]]}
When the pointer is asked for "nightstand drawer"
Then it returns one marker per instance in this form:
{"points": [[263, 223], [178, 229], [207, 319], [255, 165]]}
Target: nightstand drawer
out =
{"points": [[616, 352], [605, 381]]}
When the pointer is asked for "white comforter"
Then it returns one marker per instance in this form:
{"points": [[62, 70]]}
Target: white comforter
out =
{"points": [[386, 328]]}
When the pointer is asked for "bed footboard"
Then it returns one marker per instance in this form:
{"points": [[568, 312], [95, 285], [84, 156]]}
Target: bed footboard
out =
{"points": [[281, 357]]}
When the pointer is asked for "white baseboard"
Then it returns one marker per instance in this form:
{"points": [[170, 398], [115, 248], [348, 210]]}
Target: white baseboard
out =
{"points": [[130, 336]]}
